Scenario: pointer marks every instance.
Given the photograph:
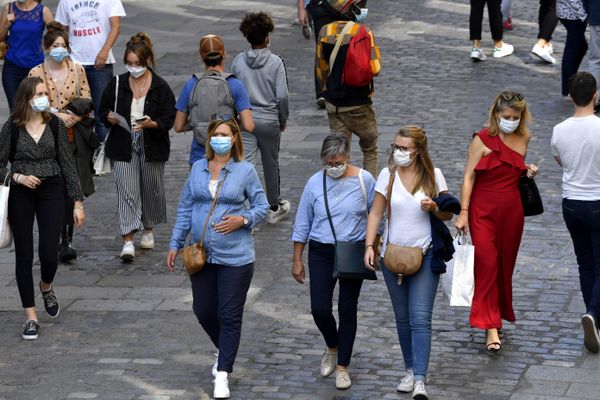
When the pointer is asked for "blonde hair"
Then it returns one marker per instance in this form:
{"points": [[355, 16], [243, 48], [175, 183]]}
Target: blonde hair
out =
{"points": [[509, 99], [426, 173], [237, 151]]}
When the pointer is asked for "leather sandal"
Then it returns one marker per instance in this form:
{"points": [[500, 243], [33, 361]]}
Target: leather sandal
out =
{"points": [[493, 348]]}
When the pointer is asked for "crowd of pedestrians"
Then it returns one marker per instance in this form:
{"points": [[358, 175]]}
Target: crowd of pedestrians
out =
{"points": [[65, 102]]}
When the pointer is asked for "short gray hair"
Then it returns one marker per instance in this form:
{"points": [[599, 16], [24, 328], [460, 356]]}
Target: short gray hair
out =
{"points": [[334, 145]]}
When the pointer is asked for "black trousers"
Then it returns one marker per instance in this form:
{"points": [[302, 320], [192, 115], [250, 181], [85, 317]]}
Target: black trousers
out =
{"points": [[547, 19], [476, 18], [575, 48], [44, 203]]}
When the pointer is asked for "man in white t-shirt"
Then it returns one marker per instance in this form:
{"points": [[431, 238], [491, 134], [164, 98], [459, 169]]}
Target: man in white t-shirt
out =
{"points": [[94, 27], [576, 148]]}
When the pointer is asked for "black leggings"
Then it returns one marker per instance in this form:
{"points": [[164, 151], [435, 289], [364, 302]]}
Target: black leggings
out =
{"points": [[575, 48], [476, 18], [547, 19], [46, 204]]}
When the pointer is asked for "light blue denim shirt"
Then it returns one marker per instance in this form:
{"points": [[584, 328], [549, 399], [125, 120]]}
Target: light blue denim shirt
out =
{"points": [[346, 205], [241, 183]]}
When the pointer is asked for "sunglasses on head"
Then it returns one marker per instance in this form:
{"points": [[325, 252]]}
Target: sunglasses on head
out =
{"points": [[508, 96], [222, 117]]}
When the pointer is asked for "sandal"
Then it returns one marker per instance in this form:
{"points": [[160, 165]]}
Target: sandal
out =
{"points": [[493, 347]]}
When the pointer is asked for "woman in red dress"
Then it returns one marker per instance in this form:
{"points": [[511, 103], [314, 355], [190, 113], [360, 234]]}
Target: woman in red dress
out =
{"points": [[491, 206]]}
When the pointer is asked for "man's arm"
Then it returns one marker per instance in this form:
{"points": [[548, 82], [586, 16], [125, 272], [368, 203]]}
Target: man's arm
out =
{"points": [[181, 122], [115, 29], [302, 15]]}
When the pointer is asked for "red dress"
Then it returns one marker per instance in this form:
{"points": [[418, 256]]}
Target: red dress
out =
{"points": [[496, 225]]}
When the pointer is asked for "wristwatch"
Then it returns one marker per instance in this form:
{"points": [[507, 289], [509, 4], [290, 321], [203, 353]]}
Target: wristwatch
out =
{"points": [[246, 222]]}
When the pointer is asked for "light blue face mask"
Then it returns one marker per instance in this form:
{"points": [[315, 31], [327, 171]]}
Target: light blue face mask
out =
{"points": [[40, 104], [58, 54], [221, 145], [360, 18]]}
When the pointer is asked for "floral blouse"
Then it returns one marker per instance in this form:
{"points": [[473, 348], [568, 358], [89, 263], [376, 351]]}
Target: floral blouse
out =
{"points": [[571, 10], [76, 84]]}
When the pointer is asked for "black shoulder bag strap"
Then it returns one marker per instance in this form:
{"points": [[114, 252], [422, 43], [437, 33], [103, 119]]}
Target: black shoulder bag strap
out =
{"points": [[327, 206]]}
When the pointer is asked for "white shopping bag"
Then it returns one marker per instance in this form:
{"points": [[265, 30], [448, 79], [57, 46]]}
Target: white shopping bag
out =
{"points": [[5, 232], [458, 283], [102, 165]]}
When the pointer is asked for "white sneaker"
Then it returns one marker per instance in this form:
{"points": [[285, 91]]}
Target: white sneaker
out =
{"points": [[147, 241], [128, 252], [543, 53], [274, 217], [477, 54], [591, 339], [342, 379], [550, 47], [407, 383], [221, 386], [505, 50], [419, 392], [215, 365], [328, 362]]}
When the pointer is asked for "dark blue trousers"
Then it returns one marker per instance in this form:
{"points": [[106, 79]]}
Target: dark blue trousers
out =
{"points": [[98, 79], [320, 265], [219, 293], [12, 76], [583, 221], [575, 48]]}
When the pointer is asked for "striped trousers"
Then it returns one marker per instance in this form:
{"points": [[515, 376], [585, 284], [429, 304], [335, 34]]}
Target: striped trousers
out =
{"points": [[141, 202]]}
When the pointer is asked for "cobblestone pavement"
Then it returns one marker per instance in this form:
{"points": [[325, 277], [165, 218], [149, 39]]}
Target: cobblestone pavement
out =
{"points": [[127, 330]]}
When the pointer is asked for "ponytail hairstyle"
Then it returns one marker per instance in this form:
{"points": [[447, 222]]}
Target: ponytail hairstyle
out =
{"points": [[55, 30], [141, 45]]}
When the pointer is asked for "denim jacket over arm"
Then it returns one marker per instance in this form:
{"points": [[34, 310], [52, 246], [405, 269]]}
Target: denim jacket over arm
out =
{"points": [[241, 183]]}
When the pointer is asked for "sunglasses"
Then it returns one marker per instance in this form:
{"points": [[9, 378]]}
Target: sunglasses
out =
{"points": [[401, 148], [222, 117], [508, 96]]}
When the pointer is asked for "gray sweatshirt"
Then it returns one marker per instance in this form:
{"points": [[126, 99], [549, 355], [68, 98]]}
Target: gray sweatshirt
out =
{"points": [[264, 76]]}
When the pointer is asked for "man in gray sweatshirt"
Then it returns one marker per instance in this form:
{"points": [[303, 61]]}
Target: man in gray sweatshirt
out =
{"points": [[264, 76]]}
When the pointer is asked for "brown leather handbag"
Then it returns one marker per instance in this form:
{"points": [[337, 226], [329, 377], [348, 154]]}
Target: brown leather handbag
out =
{"points": [[4, 43], [194, 255], [401, 260]]}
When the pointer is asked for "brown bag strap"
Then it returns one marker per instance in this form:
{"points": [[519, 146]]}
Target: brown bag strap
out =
{"points": [[212, 207], [389, 201]]}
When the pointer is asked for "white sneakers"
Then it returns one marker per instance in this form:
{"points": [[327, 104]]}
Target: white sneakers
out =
{"points": [[544, 53], [477, 54], [505, 50], [328, 362], [274, 217], [147, 241], [221, 386], [419, 392], [407, 383], [128, 252], [591, 338], [342, 379], [215, 365]]}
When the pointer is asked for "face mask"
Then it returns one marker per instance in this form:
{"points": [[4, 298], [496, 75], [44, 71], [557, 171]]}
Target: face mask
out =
{"points": [[336, 172], [508, 126], [402, 158], [136, 72], [221, 145], [58, 54], [360, 18], [40, 104], [21, 1]]}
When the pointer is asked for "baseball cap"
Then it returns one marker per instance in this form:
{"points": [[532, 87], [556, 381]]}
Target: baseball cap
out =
{"points": [[211, 47]]}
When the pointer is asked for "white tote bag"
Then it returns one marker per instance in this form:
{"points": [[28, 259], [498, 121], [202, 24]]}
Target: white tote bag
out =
{"points": [[458, 283], [5, 232], [102, 164]]}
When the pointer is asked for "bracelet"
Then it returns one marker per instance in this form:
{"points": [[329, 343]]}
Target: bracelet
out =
{"points": [[78, 207], [369, 245], [16, 178], [464, 209]]}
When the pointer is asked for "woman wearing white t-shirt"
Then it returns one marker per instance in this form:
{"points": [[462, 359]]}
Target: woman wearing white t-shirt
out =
{"points": [[416, 183]]}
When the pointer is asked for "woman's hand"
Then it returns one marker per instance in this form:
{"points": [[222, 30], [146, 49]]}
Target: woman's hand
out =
{"points": [[462, 222], [78, 214], [532, 170], [298, 271], [111, 118], [229, 223], [369, 259], [171, 256], [428, 205], [29, 181], [68, 119]]}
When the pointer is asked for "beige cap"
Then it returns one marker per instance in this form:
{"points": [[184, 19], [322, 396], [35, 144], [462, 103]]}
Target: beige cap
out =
{"points": [[211, 47]]}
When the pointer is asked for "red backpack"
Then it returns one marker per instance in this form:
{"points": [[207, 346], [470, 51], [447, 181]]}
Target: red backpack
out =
{"points": [[357, 68]]}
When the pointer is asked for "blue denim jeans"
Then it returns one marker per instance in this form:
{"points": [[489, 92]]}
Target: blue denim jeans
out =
{"points": [[12, 76], [583, 222], [413, 306], [98, 79]]}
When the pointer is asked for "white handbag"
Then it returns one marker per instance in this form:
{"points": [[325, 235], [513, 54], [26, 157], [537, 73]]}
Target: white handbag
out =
{"points": [[102, 164], [5, 232], [458, 283]]}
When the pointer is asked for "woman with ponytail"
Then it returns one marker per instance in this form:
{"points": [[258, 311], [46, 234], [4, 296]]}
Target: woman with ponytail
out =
{"points": [[141, 149]]}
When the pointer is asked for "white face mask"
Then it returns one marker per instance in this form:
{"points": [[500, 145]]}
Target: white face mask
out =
{"points": [[402, 158], [136, 72], [336, 172], [508, 126], [40, 104]]}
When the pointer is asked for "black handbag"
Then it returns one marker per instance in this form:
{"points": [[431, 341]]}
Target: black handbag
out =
{"points": [[530, 197], [349, 256]]}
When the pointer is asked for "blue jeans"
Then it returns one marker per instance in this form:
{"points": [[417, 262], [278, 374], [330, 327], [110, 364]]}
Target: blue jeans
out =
{"points": [[219, 293], [583, 221], [98, 79], [320, 265], [12, 76], [413, 307]]}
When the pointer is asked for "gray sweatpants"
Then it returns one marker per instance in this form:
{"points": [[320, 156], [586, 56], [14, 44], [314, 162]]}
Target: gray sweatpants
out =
{"points": [[505, 8], [266, 138], [594, 53]]}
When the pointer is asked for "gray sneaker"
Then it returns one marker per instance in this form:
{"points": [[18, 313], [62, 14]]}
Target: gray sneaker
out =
{"points": [[283, 208], [477, 55], [328, 362], [407, 384], [419, 392], [591, 339], [30, 330]]}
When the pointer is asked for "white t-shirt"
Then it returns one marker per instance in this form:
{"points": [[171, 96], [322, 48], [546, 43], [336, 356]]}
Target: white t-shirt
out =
{"points": [[410, 224], [576, 141], [89, 25]]}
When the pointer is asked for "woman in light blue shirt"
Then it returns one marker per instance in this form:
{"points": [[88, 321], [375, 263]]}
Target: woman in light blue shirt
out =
{"points": [[219, 289], [349, 217]]}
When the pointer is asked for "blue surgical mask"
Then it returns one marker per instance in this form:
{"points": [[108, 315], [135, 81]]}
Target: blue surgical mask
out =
{"points": [[508, 126], [58, 54], [221, 145], [136, 72], [40, 104], [360, 18]]}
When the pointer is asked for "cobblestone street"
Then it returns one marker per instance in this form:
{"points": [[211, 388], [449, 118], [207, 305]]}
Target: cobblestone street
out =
{"points": [[127, 331]]}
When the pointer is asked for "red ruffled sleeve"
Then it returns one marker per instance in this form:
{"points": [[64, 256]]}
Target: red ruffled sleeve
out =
{"points": [[501, 153]]}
